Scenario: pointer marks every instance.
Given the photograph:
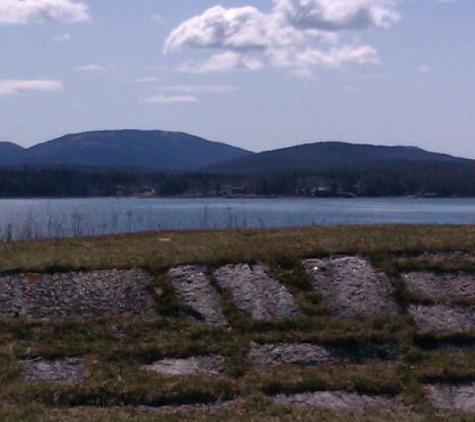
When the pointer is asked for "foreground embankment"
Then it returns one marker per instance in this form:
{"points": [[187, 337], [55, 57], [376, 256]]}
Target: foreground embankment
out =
{"points": [[367, 323]]}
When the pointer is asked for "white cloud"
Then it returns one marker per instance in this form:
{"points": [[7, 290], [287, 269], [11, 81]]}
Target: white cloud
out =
{"points": [[168, 100], [157, 18], [16, 86], [93, 68], [338, 15], [62, 37], [147, 80], [14, 12], [199, 89], [297, 34]]}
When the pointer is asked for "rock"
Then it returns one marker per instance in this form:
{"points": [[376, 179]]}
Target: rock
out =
{"points": [[266, 355], [443, 318], [194, 288], [198, 365], [336, 400], [452, 397], [351, 288], [255, 293], [74, 295], [447, 286], [69, 370]]}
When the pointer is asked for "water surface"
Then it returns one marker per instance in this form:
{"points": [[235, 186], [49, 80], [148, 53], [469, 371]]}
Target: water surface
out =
{"points": [[45, 218]]}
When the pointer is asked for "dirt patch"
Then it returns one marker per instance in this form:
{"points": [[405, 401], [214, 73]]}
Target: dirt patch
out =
{"points": [[447, 286], [68, 370], [337, 400], [265, 355], [452, 397], [198, 365], [256, 293], [74, 295], [194, 288], [351, 288], [443, 318]]}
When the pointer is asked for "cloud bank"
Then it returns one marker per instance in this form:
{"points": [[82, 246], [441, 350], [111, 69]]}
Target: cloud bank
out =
{"points": [[15, 12], [297, 34], [15, 86]]}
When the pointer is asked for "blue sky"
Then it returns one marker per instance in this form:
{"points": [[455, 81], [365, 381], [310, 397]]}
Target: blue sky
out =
{"points": [[257, 74]]}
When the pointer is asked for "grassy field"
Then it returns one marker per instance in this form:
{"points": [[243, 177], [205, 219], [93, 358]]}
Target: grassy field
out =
{"points": [[115, 350]]}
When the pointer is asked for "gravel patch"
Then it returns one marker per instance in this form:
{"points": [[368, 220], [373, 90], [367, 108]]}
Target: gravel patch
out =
{"points": [[75, 295], [68, 370], [443, 318], [448, 286], [255, 293], [336, 400], [266, 355], [197, 365], [351, 288], [193, 287], [452, 397]]}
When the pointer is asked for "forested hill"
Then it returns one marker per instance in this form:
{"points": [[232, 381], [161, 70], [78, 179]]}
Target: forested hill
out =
{"points": [[324, 156], [156, 150]]}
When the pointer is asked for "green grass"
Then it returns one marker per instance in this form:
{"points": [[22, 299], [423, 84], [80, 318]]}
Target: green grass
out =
{"points": [[116, 350]]}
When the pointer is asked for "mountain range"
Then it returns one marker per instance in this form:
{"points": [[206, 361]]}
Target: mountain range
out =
{"points": [[151, 150], [181, 152]]}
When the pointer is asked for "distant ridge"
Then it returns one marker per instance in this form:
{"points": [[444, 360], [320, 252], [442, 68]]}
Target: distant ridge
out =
{"points": [[155, 150], [181, 152], [10, 153], [323, 156]]}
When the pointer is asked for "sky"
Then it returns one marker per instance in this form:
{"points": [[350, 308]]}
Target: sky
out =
{"points": [[258, 74]]}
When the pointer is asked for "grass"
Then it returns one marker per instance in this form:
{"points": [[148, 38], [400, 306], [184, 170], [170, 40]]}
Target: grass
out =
{"points": [[116, 350]]}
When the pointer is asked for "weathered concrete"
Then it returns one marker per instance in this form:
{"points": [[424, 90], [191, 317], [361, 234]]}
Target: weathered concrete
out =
{"points": [[256, 293], [266, 355], [351, 288], [197, 365], [74, 295], [443, 318], [193, 287], [452, 397], [447, 286], [68, 370], [337, 400]]}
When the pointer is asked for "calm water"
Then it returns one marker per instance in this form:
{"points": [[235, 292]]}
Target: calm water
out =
{"points": [[42, 218]]}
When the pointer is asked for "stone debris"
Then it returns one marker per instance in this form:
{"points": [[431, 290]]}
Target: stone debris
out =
{"points": [[336, 400], [194, 288], [452, 397], [74, 295], [69, 370], [447, 286], [255, 293], [351, 288], [211, 365], [265, 355], [443, 318]]}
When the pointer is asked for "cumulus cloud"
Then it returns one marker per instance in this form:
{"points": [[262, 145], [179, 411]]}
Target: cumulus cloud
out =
{"points": [[14, 12], [167, 100], [339, 15], [297, 34], [16, 86]]}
